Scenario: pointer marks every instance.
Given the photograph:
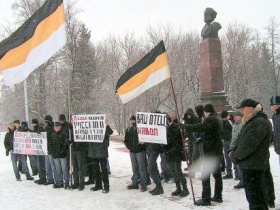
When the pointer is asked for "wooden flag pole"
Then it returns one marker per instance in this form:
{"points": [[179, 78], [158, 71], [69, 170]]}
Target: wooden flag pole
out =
{"points": [[182, 137]]}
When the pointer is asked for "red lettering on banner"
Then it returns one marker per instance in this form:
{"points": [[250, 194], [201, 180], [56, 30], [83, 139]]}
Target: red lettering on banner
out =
{"points": [[148, 131]]}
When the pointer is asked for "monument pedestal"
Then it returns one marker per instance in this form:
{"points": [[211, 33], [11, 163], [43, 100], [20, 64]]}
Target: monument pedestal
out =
{"points": [[212, 80]]}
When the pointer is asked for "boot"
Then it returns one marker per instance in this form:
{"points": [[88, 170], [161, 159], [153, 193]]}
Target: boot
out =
{"points": [[157, 191], [178, 190], [98, 186], [202, 202], [185, 191]]}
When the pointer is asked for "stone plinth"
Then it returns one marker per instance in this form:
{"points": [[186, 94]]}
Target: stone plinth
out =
{"points": [[218, 99], [212, 81], [211, 66]]}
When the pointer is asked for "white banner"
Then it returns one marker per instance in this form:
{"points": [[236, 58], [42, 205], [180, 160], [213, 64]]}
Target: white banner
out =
{"points": [[151, 127], [28, 143], [89, 128]]}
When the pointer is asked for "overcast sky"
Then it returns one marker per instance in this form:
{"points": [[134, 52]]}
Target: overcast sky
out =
{"points": [[104, 17]]}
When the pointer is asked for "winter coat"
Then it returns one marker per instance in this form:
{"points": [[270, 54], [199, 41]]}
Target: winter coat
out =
{"points": [[77, 146], [236, 128], [65, 126], [8, 140], [276, 126], [49, 130], [252, 150], [226, 131], [153, 147], [131, 140], [211, 128], [174, 149], [38, 129], [60, 144], [100, 150], [193, 120]]}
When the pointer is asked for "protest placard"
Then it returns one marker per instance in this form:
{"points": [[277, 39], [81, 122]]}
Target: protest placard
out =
{"points": [[151, 127], [89, 128], [28, 143]]}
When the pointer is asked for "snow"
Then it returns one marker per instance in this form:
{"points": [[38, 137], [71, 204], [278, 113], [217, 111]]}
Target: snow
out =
{"points": [[26, 195]]}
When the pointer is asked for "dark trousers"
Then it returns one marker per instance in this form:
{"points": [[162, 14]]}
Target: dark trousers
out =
{"points": [[176, 169], [152, 166], [40, 160], [254, 183], [166, 172], [211, 165], [228, 163], [79, 163], [89, 169], [269, 187], [101, 172]]}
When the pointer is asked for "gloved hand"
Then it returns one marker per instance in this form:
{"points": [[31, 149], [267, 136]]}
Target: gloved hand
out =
{"points": [[7, 152], [230, 154]]}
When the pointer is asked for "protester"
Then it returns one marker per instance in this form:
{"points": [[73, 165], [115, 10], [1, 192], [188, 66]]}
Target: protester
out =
{"points": [[213, 153], [252, 152], [99, 154], [32, 158], [189, 118], [237, 126], [174, 154], [198, 151], [8, 143], [40, 159], [137, 156], [51, 172], [275, 107], [226, 138], [59, 153], [79, 154]]}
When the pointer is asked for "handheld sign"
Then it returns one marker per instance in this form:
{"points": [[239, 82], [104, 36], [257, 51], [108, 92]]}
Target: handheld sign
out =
{"points": [[151, 127], [89, 128], [28, 143]]}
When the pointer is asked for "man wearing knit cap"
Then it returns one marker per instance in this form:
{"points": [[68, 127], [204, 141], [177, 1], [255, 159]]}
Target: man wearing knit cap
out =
{"points": [[213, 152]]}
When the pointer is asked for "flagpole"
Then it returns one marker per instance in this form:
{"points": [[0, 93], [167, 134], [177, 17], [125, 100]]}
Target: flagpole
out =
{"points": [[182, 137], [25, 100], [70, 138]]}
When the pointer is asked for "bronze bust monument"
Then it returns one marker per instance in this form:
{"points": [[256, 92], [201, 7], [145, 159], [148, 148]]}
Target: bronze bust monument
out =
{"points": [[210, 30]]}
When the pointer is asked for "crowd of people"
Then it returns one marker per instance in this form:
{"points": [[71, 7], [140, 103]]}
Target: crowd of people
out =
{"points": [[237, 144]]}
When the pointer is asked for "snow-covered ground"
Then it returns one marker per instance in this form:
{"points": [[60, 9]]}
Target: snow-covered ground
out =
{"points": [[26, 195]]}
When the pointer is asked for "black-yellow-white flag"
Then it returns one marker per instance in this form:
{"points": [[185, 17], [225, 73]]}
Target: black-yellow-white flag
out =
{"points": [[33, 43], [148, 72]]}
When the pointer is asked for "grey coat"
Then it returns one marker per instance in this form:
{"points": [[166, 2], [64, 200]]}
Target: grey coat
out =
{"points": [[236, 128], [100, 150]]}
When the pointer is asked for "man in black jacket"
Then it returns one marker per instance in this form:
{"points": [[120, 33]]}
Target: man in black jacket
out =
{"points": [[40, 159], [49, 161], [99, 154], [226, 138], [137, 155], [252, 152], [213, 153]]}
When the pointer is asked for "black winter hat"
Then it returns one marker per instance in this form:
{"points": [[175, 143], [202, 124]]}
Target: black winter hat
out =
{"points": [[62, 117], [199, 110], [24, 124], [48, 118], [34, 121], [275, 100], [209, 108], [224, 114], [17, 121], [248, 103], [132, 117], [57, 124]]}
